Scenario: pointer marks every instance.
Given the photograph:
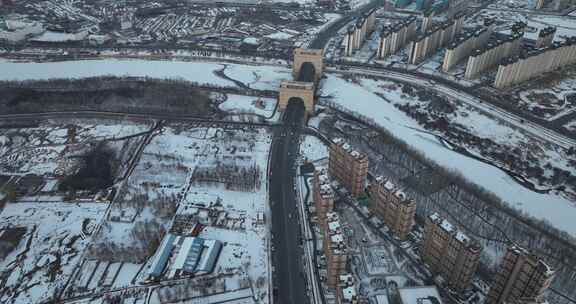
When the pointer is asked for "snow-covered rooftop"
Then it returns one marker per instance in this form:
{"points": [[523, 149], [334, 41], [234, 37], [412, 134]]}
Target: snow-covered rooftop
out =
{"points": [[337, 238], [332, 216], [446, 226], [337, 140], [389, 185], [333, 226], [349, 293], [462, 237], [454, 232], [420, 295], [347, 278]]}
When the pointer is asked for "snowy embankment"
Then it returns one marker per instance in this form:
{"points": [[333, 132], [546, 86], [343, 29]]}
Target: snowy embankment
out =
{"points": [[259, 77], [559, 212], [240, 104]]}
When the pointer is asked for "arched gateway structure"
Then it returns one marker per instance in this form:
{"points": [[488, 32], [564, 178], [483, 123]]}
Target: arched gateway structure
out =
{"points": [[305, 59], [307, 70]]}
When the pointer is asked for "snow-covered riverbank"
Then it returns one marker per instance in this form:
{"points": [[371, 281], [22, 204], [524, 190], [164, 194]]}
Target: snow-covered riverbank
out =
{"points": [[557, 210]]}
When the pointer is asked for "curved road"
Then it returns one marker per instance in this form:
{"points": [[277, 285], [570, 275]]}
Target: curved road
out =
{"points": [[320, 40]]}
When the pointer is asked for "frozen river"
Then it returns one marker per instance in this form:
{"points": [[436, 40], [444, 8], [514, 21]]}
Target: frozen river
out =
{"points": [[257, 77], [555, 209]]}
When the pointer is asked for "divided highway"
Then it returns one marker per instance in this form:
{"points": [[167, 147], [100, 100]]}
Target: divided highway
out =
{"points": [[289, 282]]}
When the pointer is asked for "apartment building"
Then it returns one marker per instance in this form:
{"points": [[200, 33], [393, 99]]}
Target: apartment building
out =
{"points": [[348, 166], [395, 37], [349, 40], [522, 277], [427, 20], [539, 4], [449, 253], [335, 250], [464, 44], [490, 56], [438, 36], [356, 33], [395, 208], [323, 196], [533, 63]]}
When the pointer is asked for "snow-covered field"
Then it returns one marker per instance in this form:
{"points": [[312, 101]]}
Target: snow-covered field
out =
{"points": [[564, 26], [240, 104], [56, 234], [550, 100], [43, 150], [476, 123], [259, 77], [166, 179], [245, 251], [313, 149]]}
